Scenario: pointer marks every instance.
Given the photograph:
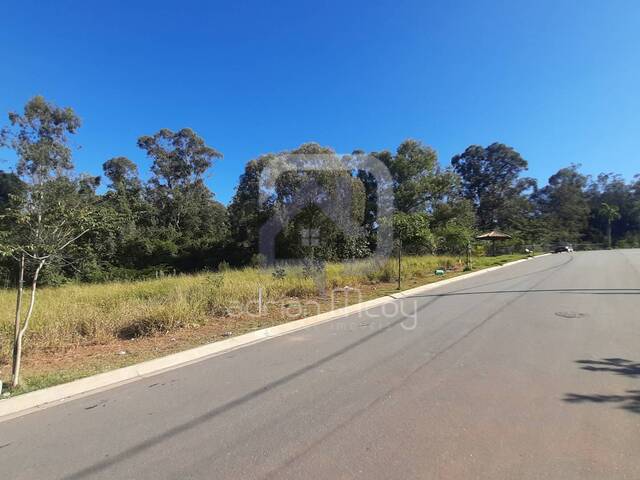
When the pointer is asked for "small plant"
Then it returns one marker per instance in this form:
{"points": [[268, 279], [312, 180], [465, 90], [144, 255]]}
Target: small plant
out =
{"points": [[224, 266], [215, 280], [312, 267], [258, 260], [279, 273]]}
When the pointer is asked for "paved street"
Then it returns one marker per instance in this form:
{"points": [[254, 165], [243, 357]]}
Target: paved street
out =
{"points": [[529, 372]]}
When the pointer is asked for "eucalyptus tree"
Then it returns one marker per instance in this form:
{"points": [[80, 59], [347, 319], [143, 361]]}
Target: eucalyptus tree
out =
{"points": [[492, 179], [564, 205], [188, 220]]}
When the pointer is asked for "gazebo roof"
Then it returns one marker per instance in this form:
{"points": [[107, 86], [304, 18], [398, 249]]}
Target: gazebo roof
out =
{"points": [[493, 235]]}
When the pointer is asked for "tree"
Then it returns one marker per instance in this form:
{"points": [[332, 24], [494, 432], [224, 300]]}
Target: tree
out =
{"points": [[250, 208], [610, 213], [421, 186], [10, 185], [50, 215], [491, 180], [179, 158], [453, 220], [315, 197], [188, 221], [564, 205], [412, 229], [126, 242], [418, 180], [612, 189], [123, 174], [329, 200], [454, 238]]}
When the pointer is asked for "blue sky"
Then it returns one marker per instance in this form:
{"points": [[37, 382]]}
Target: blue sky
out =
{"points": [[557, 80]]}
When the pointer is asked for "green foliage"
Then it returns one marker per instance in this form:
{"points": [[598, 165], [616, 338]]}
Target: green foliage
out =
{"points": [[491, 180], [609, 212], [187, 223], [563, 206], [249, 210], [172, 222], [179, 158], [454, 239], [39, 138], [46, 210], [413, 230], [10, 186]]}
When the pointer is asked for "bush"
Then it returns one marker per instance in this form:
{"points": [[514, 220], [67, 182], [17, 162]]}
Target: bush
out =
{"points": [[279, 273], [454, 239], [258, 260]]}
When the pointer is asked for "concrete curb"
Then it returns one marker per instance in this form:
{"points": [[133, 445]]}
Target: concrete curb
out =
{"points": [[47, 397]]}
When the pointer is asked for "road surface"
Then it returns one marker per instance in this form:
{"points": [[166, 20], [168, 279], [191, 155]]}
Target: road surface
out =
{"points": [[529, 372]]}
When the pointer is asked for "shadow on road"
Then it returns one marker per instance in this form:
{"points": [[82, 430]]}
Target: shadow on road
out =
{"points": [[619, 366], [629, 401]]}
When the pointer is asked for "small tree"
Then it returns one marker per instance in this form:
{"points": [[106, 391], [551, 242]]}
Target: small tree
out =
{"points": [[611, 213], [49, 215], [412, 229]]}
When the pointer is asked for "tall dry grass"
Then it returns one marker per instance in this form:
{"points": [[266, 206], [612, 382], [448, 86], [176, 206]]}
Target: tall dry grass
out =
{"points": [[96, 313]]}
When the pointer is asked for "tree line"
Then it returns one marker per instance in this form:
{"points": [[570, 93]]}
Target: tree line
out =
{"points": [[172, 222]]}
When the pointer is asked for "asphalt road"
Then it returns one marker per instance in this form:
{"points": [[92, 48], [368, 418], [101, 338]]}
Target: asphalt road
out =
{"points": [[529, 372]]}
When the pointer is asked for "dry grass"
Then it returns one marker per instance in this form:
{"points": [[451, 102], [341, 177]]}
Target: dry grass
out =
{"points": [[80, 315]]}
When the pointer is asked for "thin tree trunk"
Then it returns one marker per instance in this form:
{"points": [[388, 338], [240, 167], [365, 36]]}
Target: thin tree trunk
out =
{"points": [[16, 329], [609, 233], [18, 343], [19, 299]]}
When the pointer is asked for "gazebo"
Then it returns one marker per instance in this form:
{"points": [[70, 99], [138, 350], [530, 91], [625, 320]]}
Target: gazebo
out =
{"points": [[493, 236]]}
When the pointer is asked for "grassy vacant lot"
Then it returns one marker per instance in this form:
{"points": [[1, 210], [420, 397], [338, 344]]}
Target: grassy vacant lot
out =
{"points": [[80, 329]]}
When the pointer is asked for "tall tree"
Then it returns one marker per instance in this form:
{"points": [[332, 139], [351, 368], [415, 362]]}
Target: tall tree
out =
{"points": [[491, 179], [249, 210], [179, 158], [612, 189], [329, 200], [418, 180], [421, 187], [127, 243], [370, 219], [564, 205], [189, 221], [123, 174], [305, 196]]}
